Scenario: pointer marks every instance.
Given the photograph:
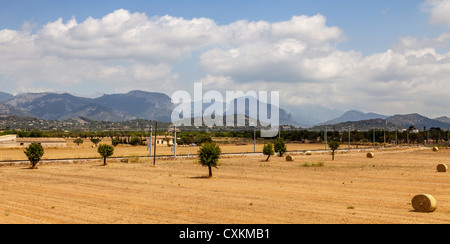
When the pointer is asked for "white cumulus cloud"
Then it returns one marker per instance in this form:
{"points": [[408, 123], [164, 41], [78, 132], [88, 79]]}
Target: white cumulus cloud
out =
{"points": [[300, 57], [439, 10]]}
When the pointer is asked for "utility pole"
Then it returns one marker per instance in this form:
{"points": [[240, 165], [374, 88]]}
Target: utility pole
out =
{"points": [[407, 137], [175, 143], [326, 138], [150, 141], [349, 139], [254, 139], [156, 135]]}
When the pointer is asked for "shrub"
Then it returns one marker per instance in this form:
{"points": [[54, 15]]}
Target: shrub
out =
{"points": [[135, 141], [78, 141], [105, 151], [334, 145], [95, 141], [268, 150], [280, 146], [209, 154], [34, 153], [116, 141]]}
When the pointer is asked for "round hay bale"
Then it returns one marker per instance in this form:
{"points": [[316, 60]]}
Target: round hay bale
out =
{"points": [[309, 153], [289, 158], [424, 203], [435, 149], [442, 168], [370, 155]]}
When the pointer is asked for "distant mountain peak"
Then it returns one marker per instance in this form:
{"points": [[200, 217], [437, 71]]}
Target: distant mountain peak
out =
{"points": [[5, 96], [443, 119], [115, 107], [354, 115], [418, 121], [146, 105]]}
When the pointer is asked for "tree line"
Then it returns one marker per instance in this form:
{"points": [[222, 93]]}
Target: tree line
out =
{"points": [[433, 135]]}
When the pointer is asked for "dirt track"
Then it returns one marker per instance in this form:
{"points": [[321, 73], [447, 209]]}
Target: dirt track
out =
{"points": [[352, 189]]}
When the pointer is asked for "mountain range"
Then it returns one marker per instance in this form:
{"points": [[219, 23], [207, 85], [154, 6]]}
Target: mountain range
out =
{"points": [[115, 108], [5, 96], [368, 121], [158, 106], [353, 115]]}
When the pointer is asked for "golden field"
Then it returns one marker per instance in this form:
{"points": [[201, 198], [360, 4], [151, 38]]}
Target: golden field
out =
{"points": [[86, 150], [244, 190]]}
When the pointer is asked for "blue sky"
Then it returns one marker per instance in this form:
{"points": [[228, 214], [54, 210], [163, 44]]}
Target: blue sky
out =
{"points": [[375, 56], [369, 25]]}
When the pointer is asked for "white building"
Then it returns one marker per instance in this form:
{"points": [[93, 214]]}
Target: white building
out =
{"points": [[11, 141], [8, 141], [162, 141]]}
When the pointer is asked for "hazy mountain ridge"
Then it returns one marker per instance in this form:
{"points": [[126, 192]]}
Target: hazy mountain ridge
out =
{"points": [[418, 121], [444, 119], [98, 112], [48, 106], [140, 104], [285, 118], [362, 125], [353, 115], [5, 96], [158, 106], [115, 107], [7, 110], [390, 123], [312, 114]]}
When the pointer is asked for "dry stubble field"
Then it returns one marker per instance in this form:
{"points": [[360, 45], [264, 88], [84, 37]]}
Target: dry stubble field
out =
{"points": [[87, 151], [352, 189]]}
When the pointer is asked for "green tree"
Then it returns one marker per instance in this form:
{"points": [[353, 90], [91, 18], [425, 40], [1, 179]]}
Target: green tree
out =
{"points": [[116, 141], [78, 141], [209, 154], [280, 146], [36, 134], [96, 141], [334, 145], [202, 138], [268, 150], [105, 151], [34, 153], [135, 141]]}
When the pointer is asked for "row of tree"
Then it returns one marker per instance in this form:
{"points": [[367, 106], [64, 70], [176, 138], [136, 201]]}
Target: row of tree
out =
{"points": [[129, 137], [279, 146], [208, 154], [35, 152], [134, 141]]}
